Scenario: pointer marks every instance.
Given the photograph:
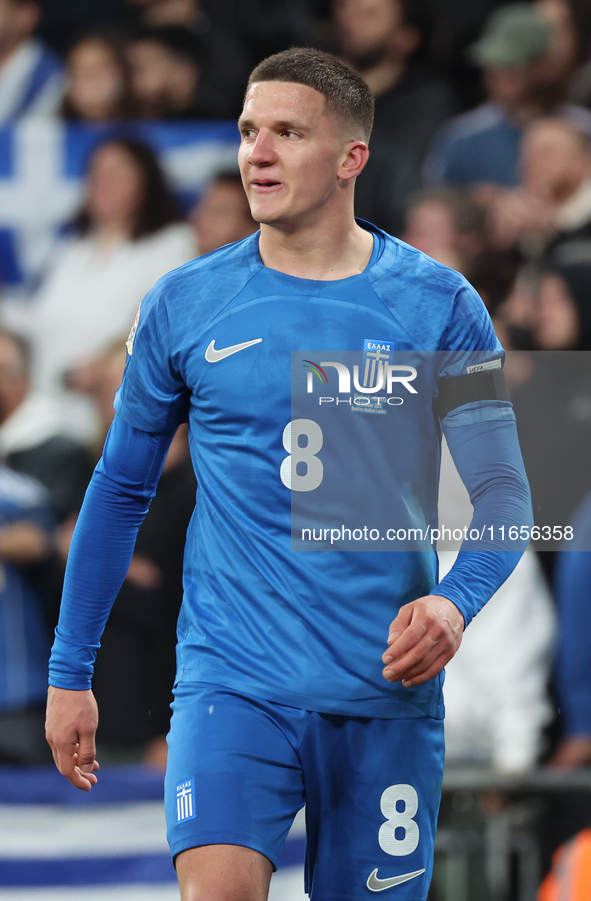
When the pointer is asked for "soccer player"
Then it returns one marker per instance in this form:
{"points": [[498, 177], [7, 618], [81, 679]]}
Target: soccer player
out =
{"points": [[282, 694]]}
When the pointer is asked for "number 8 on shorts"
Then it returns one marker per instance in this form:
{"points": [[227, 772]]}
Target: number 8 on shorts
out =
{"points": [[399, 820]]}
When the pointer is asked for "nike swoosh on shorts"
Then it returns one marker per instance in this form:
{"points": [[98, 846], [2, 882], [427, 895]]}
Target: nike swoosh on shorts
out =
{"points": [[378, 885], [212, 355]]}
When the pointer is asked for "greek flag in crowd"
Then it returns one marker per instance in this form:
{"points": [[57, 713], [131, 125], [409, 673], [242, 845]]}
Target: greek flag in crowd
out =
{"points": [[42, 165], [60, 844]]}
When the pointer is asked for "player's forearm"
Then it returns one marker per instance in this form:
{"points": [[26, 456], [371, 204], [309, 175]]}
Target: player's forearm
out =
{"points": [[99, 558], [102, 546], [489, 461]]}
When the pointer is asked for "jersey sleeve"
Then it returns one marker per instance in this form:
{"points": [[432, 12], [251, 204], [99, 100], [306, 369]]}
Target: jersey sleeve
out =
{"points": [[153, 396], [116, 502], [469, 339], [482, 436], [487, 455], [472, 353]]}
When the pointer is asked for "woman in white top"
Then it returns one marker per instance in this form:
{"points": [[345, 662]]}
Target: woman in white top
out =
{"points": [[127, 235]]}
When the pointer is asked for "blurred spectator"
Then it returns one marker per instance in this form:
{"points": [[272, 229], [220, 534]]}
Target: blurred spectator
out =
{"points": [[553, 203], [387, 40], [447, 225], [568, 181], [98, 83], [581, 90], [135, 665], [30, 438], [222, 29], [562, 315], [127, 235], [30, 74], [166, 67], [98, 378], [25, 543], [552, 399], [521, 83], [263, 26], [573, 658], [497, 276], [63, 20], [553, 409], [457, 24], [222, 214], [580, 14], [563, 54], [494, 274], [267, 26], [496, 705], [169, 12]]}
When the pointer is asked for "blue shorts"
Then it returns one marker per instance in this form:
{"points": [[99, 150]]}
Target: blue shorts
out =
{"points": [[240, 768]]}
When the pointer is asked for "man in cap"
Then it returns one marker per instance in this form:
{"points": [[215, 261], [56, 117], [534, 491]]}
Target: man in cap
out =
{"points": [[483, 145]]}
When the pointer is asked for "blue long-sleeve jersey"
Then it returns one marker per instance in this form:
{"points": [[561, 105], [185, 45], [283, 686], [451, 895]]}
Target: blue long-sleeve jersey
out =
{"points": [[274, 374]]}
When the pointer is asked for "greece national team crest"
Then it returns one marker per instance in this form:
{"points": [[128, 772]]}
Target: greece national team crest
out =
{"points": [[377, 354], [185, 801]]}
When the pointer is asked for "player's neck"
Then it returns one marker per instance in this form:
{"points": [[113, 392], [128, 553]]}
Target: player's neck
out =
{"points": [[321, 253]]}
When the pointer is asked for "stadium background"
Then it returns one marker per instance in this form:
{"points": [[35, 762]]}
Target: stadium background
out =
{"points": [[480, 157]]}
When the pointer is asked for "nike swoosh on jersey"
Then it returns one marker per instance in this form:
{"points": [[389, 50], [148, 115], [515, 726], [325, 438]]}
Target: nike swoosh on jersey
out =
{"points": [[378, 885], [212, 355]]}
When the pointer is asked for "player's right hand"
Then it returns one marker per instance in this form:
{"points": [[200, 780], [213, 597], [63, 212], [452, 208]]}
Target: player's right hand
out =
{"points": [[70, 729], [423, 638]]}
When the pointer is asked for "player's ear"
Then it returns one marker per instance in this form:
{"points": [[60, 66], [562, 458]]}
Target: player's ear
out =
{"points": [[353, 158]]}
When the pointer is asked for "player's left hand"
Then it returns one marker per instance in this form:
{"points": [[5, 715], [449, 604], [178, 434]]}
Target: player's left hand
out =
{"points": [[423, 638], [70, 729]]}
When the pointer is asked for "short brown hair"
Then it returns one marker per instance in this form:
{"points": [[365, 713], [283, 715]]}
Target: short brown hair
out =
{"points": [[343, 88]]}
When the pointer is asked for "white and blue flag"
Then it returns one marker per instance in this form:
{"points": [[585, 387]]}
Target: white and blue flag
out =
{"points": [[61, 844], [42, 167]]}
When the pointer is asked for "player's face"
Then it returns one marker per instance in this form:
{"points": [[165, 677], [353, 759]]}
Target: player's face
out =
{"points": [[290, 154]]}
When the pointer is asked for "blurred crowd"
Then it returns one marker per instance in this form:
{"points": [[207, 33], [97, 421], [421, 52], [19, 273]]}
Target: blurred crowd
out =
{"points": [[480, 157]]}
